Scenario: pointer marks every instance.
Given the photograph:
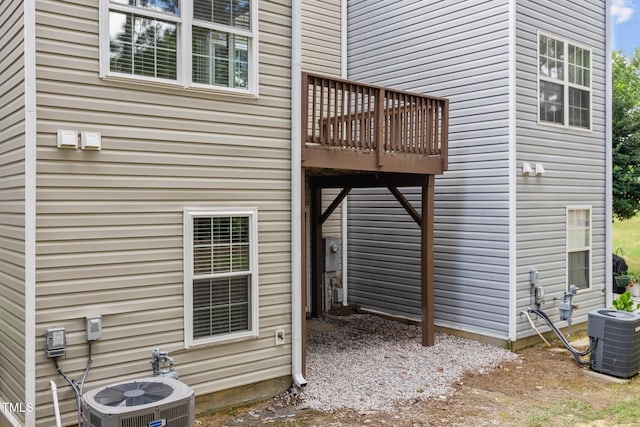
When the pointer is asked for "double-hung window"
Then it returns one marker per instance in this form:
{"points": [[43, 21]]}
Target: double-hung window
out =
{"points": [[579, 247], [221, 277], [204, 44], [564, 83]]}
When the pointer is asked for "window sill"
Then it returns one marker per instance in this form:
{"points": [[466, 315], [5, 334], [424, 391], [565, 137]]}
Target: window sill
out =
{"points": [[135, 82], [222, 340], [565, 127]]}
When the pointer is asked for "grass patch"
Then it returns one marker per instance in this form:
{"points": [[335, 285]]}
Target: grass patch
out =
{"points": [[573, 412], [626, 242]]}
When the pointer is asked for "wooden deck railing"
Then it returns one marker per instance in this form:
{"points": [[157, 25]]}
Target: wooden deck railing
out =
{"points": [[342, 115]]}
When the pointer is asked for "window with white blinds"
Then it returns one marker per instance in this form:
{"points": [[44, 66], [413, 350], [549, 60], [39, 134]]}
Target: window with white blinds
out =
{"points": [[195, 43], [220, 275], [579, 247]]}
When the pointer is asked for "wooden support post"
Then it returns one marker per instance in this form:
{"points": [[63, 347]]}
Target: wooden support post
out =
{"points": [[426, 266], [317, 253]]}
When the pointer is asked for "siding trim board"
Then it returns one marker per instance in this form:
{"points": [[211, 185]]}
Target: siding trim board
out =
{"points": [[30, 206], [513, 283], [608, 164]]}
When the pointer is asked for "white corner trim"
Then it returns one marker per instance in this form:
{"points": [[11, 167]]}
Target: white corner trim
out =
{"points": [[608, 162], [30, 141], [343, 39], [513, 170]]}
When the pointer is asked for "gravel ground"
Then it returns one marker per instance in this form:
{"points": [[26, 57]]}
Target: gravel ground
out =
{"points": [[369, 364]]}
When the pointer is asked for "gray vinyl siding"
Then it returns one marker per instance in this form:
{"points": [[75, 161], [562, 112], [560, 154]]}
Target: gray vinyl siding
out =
{"points": [[574, 160], [109, 223], [12, 204], [459, 50]]}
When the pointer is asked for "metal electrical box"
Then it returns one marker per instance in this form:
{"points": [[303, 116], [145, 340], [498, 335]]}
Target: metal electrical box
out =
{"points": [[332, 254], [617, 335]]}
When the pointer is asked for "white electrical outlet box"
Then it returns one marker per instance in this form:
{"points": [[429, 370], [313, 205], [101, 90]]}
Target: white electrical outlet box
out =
{"points": [[94, 328], [55, 342], [67, 139], [90, 141], [280, 336]]}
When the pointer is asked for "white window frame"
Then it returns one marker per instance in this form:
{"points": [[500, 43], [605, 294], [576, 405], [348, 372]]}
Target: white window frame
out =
{"points": [[589, 248], [565, 81], [184, 54], [188, 215]]}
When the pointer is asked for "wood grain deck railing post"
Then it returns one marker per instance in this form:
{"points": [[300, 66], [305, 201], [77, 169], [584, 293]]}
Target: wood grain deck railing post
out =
{"points": [[379, 124], [304, 101], [444, 135]]}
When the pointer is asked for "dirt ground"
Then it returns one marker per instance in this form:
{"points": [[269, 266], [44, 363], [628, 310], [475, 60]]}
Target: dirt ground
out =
{"points": [[544, 387]]}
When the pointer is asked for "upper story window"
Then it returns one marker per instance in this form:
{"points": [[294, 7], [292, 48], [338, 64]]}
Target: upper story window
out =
{"points": [[194, 43], [564, 83]]}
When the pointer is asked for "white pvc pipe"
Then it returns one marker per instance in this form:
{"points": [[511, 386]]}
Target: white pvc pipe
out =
{"points": [[345, 242], [296, 202], [56, 407], [526, 313]]}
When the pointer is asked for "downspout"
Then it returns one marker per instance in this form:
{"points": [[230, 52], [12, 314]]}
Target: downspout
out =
{"points": [[608, 209], [296, 203], [345, 202]]}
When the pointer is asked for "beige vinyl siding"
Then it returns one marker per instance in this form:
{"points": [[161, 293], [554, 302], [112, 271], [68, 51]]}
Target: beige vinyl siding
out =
{"points": [[321, 53], [12, 204], [109, 223], [574, 159]]}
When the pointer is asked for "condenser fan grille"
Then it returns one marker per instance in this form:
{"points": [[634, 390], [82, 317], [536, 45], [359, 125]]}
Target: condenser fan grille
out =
{"points": [[133, 394]]}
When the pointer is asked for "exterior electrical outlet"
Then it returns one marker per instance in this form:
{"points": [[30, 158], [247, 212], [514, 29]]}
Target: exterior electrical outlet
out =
{"points": [[94, 328], [539, 294]]}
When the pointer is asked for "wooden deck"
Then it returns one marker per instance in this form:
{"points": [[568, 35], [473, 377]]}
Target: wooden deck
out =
{"points": [[352, 126]]}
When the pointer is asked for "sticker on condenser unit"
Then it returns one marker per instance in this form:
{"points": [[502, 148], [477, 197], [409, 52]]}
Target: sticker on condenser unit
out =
{"points": [[637, 328], [158, 423]]}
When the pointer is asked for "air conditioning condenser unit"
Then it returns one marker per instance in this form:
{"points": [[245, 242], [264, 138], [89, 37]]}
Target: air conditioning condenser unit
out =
{"points": [[617, 348], [147, 402]]}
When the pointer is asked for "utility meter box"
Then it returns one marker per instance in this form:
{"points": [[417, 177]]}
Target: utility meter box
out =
{"points": [[332, 254], [617, 348]]}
